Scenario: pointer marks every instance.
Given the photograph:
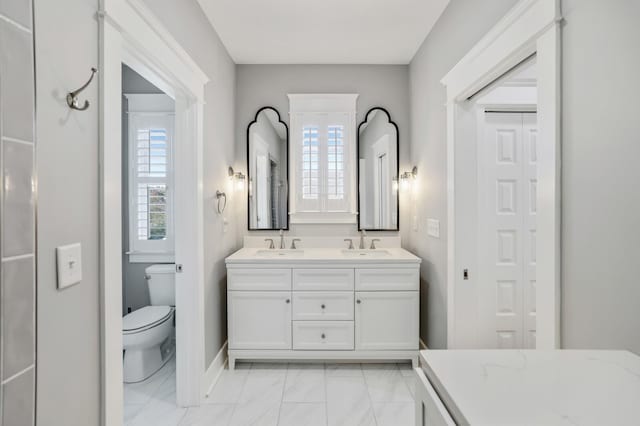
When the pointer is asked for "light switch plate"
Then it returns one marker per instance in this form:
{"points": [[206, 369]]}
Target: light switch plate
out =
{"points": [[69, 260], [433, 228]]}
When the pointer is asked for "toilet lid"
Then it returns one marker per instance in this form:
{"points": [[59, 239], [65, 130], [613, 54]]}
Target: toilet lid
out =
{"points": [[144, 317]]}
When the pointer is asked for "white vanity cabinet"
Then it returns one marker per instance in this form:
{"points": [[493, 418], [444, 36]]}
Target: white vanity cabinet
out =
{"points": [[318, 309]]}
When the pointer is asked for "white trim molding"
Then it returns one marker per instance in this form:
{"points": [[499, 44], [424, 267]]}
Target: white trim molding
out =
{"points": [[214, 371], [131, 34], [530, 27]]}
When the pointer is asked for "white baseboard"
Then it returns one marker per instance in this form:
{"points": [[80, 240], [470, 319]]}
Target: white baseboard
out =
{"points": [[214, 371], [423, 345]]}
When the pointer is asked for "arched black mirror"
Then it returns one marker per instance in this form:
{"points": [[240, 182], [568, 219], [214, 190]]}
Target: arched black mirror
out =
{"points": [[378, 169], [268, 170]]}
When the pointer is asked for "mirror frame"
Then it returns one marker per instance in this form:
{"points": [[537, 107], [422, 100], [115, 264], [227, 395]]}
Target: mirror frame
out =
{"points": [[286, 127], [397, 228]]}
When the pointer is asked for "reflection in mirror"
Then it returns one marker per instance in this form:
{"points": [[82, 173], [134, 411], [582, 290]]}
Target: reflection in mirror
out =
{"points": [[378, 171], [267, 149]]}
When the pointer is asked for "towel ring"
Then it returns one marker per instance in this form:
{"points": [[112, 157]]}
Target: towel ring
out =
{"points": [[221, 196]]}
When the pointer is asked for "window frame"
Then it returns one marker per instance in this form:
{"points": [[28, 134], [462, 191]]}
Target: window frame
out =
{"points": [[144, 106], [326, 110]]}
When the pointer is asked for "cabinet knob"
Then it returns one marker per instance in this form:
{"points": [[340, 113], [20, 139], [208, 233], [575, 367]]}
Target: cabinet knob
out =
{"points": [[323, 306], [358, 301], [323, 336], [288, 300]]}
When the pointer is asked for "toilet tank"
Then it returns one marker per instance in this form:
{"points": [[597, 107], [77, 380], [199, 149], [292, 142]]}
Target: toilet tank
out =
{"points": [[161, 282]]}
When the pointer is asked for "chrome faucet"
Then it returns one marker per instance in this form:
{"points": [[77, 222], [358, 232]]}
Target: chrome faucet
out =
{"points": [[293, 243], [363, 234], [282, 238], [350, 243], [373, 243], [271, 246]]}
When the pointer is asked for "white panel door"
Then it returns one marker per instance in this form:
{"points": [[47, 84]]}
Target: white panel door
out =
{"points": [[506, 230], [259, 319], [387, 320]]}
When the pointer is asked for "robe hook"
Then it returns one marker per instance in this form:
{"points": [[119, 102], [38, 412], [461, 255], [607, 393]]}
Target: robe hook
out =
{"points": [[72, 97]]}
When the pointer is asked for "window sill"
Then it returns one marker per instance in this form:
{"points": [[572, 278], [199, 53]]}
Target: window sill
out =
{"points": [[141, 257], [323, 218]]}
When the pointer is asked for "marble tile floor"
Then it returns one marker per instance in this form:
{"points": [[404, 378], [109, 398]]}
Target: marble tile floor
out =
{"points": [[281, 395]]}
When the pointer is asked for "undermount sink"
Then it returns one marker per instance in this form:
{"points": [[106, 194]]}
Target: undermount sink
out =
{"points": [[366, 253], [280, 253]]}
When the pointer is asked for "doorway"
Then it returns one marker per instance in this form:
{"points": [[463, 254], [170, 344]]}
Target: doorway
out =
{"points": [[162, 62], [148, 237], [530, 29]]}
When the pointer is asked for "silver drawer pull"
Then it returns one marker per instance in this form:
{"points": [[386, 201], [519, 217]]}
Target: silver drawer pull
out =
{"points": [[288, 300], [323, 336], [323, 306], [358, 301]]}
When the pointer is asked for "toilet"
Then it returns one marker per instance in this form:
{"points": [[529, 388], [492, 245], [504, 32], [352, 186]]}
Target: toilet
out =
{"points": [[147, 333]]}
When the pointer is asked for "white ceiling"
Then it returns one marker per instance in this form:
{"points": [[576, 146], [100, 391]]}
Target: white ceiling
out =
{"points": [[323, 31]]}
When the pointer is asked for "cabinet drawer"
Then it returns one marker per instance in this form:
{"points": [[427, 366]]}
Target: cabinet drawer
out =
{"points": [[323, 335], [387, 279], [323, 279], [259, 279], [322, 306]]}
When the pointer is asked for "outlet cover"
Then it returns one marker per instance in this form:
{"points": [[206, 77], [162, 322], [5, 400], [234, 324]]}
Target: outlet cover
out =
{"points": [[69, 262], [433, 228]]}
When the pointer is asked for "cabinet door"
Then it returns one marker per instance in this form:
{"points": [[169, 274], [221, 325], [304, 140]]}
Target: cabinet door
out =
{"points": [[387, 320], [259, 319]]}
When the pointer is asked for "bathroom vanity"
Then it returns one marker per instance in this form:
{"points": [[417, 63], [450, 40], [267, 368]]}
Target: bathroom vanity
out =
{"points": [[323, 304]]}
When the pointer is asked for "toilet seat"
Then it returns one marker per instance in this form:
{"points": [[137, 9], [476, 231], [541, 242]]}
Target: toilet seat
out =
{"points": [[145, 318]]}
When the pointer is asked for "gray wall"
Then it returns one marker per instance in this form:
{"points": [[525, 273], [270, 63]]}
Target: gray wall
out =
{"points": [[268, 85], [134, 83], [461, 25], [190, 27], [67, 167], [17, 214], [601, 196]]}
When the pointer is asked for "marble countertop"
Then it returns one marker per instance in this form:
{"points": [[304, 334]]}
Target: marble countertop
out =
{"points": [[526, 387], [385, 256]]}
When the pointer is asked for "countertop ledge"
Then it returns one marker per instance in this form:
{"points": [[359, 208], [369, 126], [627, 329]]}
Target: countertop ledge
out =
{"points": [[322, 256], [529, 387]]}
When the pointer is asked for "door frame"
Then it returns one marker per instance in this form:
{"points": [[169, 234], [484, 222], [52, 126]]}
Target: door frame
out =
{"points": [[131, 34], [530, 27]]}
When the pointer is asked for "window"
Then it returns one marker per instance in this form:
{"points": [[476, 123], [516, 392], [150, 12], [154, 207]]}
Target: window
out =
{"points": [[323, 152], [150, 186]]}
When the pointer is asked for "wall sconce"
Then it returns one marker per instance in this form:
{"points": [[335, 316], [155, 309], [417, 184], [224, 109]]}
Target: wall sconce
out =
{"points": [[407, 179], [237, 179]]}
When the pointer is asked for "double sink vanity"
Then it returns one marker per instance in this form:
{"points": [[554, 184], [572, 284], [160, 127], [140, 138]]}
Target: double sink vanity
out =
{"points": [[323, 304]]}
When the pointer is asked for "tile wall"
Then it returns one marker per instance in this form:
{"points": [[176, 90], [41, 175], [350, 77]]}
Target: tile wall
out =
{"points": [[17, 215]]}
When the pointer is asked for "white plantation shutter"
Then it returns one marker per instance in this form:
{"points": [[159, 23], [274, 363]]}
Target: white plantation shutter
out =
{"points": [[324, 163], [310, 161], [150, 180]]}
